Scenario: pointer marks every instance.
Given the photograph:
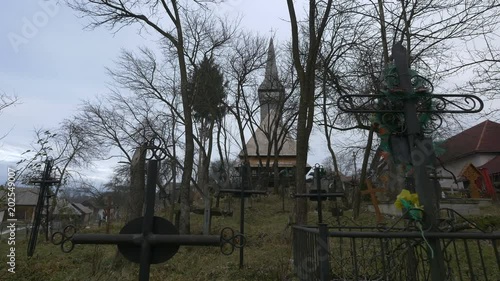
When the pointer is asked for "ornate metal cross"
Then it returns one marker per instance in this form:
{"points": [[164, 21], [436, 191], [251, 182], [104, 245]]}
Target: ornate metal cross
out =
{"points": [[407, 105], [149, 239]]}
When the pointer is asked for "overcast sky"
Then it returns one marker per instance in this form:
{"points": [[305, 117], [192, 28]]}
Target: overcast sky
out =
{"points": [[52, 63]]}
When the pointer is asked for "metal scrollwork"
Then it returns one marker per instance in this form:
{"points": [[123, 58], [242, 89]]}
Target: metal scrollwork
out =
{"points": [[230, 241], [436, 121], [383, 104], [363, 103], [156, 149], [452, 104], [64, 238]]}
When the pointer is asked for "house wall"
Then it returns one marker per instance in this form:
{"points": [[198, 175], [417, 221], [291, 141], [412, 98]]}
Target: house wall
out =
{"points": [[25, 213], [457, 166]]}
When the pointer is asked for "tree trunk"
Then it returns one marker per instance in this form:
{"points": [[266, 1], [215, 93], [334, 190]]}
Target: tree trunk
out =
{"points": [[362, 178], [184, 218], [302, 147], [137, 183]]}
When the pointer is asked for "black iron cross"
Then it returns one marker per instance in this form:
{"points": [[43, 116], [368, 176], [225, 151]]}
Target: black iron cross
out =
{"points": [[319, 194], [43, 200], [150, 239], [243, 193], [419, 148]]}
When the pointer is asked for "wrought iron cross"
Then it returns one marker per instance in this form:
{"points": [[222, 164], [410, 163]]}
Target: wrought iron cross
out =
{"points": [[407, 98], [243, 193], [319, 194], [43, 201], [149, 239]]}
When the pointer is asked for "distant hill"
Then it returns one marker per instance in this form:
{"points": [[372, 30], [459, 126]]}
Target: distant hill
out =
{"points": [[4, 170]]}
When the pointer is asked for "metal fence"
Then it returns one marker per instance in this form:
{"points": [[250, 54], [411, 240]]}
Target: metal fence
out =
{"points": [[369, 253]]}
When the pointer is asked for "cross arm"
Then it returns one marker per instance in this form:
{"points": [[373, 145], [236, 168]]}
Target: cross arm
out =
{"points": [[153, 239], [322, 195]]}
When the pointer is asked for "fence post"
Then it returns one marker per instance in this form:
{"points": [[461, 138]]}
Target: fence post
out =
{"points": [[323, 252]]}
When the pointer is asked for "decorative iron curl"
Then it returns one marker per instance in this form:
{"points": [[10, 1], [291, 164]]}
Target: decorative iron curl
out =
{"points": [[230, 240], [383, 104], [395, 121], [452, 104], [436, 121], [363, 103], [64, 238], [156, 149]]}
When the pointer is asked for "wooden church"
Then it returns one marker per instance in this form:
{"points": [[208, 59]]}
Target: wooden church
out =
{"points": [[271, 152]]}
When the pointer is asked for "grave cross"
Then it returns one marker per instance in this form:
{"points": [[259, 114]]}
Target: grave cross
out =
{"points": [[372, 191], [410, 98], [43, 200], [149, 239], [320, 195], [243, 193]]}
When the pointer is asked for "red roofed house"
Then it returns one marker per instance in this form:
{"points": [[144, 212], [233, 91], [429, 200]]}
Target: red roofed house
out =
{"points": [[479, 146]]}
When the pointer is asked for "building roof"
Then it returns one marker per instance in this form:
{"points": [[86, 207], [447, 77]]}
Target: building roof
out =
{"points": [[64, 207], [25, 196], [482, 138], [493, 165], [271, 78], [288, 149], [82, 208]]}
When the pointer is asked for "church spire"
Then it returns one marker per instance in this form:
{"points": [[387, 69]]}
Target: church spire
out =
{"points": [[271, 79], [271, 91]]}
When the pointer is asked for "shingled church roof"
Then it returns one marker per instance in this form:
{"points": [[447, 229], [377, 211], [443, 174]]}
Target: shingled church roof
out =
{"points": [[288, 148], [273, 86], [271, 78], [482, 138]]}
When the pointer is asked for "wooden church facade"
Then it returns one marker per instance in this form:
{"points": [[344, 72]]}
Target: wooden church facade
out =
{"points": [[271, 152]]}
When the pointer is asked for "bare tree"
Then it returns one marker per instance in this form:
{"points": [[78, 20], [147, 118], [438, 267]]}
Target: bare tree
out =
{"points": [[247, 57], [71, 150], [164, 18], [6, 101], [188, 32], [305, 64]]}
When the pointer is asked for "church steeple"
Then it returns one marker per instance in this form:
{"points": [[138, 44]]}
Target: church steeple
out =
{"points": [[271, 90], [271, 79]]}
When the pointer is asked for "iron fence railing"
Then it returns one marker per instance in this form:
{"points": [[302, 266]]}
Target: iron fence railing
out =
{"points": [[310, 251], [364, 253]]}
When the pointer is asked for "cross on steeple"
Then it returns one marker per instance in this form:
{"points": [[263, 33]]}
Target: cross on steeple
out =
{"points": [[271, 90]]}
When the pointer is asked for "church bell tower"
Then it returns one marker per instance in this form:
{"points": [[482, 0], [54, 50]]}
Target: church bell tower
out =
{"points": [[271, 91]]}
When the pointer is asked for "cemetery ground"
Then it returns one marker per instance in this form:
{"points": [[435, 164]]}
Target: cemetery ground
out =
{"points": [[268, 253]]}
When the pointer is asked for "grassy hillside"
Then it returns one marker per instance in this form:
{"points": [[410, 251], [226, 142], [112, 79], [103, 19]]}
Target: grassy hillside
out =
{"points": [[267, 254]]}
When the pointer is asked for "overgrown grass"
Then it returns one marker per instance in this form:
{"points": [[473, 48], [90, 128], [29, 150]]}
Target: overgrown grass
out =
{"points": [[268, 252]]}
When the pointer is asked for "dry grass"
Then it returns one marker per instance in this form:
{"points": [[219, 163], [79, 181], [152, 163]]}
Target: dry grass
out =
{"points": [[267, 254]]}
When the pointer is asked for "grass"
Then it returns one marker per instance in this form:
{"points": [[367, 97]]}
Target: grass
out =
{"points": [[268, 254]]}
